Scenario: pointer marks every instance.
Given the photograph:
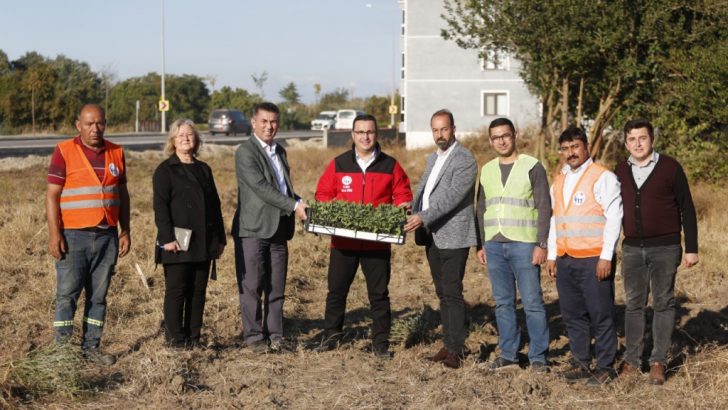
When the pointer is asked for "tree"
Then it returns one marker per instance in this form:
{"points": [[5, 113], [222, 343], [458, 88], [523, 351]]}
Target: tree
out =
{"points": [[290, 94], [259, 81], [238, 99], [334, 100]]}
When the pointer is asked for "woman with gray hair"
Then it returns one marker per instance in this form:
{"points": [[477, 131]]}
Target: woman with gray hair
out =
{"points": [[186, 200]]}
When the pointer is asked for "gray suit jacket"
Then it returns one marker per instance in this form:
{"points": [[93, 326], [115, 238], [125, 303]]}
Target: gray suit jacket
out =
{"points": [[451, 214], [260, 203]]}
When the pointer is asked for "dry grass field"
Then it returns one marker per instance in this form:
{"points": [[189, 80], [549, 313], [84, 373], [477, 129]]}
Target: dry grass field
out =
{"points": [[225, 375]]}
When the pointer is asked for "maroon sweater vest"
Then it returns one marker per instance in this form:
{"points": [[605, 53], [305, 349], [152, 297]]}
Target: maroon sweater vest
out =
{"points": [[655, 213]]}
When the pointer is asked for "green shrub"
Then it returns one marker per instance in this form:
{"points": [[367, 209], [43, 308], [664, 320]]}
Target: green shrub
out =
{"points": [[383, 219]]}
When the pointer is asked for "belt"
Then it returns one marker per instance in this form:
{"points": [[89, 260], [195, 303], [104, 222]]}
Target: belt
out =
{"points": [[96, 229]]}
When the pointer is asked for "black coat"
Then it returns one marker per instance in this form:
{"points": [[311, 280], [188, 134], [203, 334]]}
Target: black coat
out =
{"points": [[180, 201]]}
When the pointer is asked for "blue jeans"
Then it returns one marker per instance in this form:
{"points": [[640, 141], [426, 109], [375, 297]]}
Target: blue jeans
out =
{"points": [[87, 265], [509, 265], [644, 270]]}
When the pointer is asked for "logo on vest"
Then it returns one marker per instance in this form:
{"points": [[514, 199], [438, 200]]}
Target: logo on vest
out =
{"points": [[579, 198], [114, 169], [346, 181]]}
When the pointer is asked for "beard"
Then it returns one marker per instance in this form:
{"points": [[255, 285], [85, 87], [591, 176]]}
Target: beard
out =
{"points": [[443, 144]]}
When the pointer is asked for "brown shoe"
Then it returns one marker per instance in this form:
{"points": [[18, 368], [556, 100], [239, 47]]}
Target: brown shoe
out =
{"points": [[628, 370], [439, 356], [657, 374], [452, 360]]}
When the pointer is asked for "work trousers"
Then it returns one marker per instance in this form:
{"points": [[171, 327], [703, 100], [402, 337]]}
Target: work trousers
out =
{"points": [[184, 300], [645, 268], [447, 267], [376, 266], [87, 265], [587, 307]]}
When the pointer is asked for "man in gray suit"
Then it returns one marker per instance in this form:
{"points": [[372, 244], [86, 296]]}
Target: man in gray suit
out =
{"points": [[443, 207], [264, 223]]}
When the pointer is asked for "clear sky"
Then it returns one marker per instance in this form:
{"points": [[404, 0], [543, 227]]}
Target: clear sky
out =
{"points": [[351, 44]]}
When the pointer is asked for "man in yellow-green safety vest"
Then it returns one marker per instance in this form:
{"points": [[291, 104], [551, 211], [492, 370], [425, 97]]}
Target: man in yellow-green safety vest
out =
{"points": [[514, 209]]}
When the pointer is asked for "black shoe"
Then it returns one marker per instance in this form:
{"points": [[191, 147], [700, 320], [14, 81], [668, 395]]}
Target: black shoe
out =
{"points": [[502, 364], [575, 374], [328, 340], [601, 377], [381, 352], [96, 357], [539, 367]]}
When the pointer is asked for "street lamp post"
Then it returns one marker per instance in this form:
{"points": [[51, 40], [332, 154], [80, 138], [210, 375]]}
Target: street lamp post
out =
{"points": [[164, 113]]}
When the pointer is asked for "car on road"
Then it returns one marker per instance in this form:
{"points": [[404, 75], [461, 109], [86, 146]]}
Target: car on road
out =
{"points": [[324, 121], [345, 119], [226, 121]]}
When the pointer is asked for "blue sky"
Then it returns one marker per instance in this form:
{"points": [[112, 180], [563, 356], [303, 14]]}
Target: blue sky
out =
{"points": [[351, 44]]}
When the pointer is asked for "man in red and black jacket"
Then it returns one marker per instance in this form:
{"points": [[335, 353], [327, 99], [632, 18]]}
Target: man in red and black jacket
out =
{"points": [[657, 207], [366, 175]]}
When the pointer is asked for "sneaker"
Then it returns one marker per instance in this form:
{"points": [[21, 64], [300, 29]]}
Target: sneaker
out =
{"points": [[539, 367], [259, 346], [96, 357], [575, 373], [502, 363], [601, 377], [278, 346]]}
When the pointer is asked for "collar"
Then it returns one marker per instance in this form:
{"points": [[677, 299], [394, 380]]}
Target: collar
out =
{"points": [[266, 147], [566, 169], [654, 158]]}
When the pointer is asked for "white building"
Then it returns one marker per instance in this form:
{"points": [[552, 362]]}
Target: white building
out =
{"points": [[438, 74]]}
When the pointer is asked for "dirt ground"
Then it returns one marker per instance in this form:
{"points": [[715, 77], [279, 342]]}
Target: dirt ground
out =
{"points": [[226, 375]]}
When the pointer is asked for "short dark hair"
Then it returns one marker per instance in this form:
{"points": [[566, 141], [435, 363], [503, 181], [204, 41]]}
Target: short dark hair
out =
{"points": [[501, 121], [574, 133], [365, 117], [266, 106], [444, 112], [637, 124]]}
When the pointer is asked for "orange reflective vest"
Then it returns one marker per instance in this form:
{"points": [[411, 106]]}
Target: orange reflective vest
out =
{"points": [[86, 202], [580, 223]]}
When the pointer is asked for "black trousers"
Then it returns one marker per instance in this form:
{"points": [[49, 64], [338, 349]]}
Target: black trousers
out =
{"points": [[587, 306], [184, 300], [376, 266], [447, 267]]}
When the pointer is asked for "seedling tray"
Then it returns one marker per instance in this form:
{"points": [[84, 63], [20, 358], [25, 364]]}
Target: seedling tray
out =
{"points": [[350, 233]]}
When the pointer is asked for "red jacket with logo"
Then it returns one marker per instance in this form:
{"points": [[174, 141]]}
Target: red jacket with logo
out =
{"points": [[384, 182]]}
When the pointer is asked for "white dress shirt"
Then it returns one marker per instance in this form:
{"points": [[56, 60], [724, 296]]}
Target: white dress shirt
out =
{"points": [[608, 195], [364, 163], [430, 185], [276, 163]]}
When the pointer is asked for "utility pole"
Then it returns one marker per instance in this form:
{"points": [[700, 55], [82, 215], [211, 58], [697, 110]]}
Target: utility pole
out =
{"points": [[164, 113]]}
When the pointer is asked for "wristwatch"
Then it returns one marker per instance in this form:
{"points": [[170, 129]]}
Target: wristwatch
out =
{"points": [[543, 245]]}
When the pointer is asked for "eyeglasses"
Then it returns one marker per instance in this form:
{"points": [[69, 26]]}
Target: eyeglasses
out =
{"points": [[363, 133], [500, 138], [572, 147]]}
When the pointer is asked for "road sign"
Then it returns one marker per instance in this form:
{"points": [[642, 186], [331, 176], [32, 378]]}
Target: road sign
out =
{"points": [[392, 109], [163, 105]]}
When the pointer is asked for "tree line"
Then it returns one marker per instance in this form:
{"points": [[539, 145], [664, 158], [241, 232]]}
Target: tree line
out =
{"points": [[598, 63], [45, 94]]}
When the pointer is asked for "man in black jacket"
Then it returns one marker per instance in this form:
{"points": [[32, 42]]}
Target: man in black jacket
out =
{"points": [[657, 206]]}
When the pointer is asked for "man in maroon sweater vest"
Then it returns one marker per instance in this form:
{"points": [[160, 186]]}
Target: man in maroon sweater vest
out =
{"points": [[657, 206]]}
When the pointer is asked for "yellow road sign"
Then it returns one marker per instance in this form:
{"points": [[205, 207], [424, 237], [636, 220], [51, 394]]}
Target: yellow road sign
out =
{"points": [[392, 109], [163, 105]]}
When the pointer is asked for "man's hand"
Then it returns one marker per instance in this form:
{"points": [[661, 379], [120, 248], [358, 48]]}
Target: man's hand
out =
{"points": [[481, 256], [539, 256], [690, 260], [124, 244], [406, 205], [604, 269], [413, 222], [301, 210], [57, 245], [172, 247], [551, 268]]}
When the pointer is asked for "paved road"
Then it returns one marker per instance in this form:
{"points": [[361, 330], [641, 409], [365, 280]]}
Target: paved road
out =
{"points": [[20, 147]]}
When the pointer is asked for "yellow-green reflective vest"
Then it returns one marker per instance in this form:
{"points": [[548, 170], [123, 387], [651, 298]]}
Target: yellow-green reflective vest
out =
{"points": [[510, 209]]}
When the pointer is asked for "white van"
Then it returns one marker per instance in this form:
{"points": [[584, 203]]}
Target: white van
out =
{"points": [[324, 121], [345, 119]]}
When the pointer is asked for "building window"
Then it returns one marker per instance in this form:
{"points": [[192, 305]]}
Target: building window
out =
{"points": [[495, 60], [401, 104], [494, 103], [403, 21], [401, 117], [403, 73], [402, 60]]}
